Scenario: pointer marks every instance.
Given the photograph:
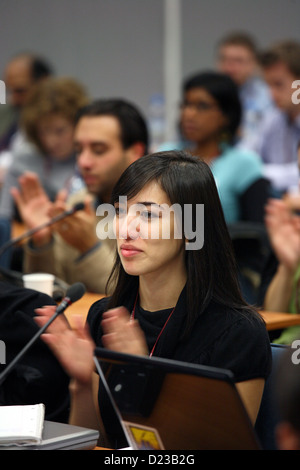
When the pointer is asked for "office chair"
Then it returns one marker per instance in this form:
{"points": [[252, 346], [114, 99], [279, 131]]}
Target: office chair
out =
{"points": [[268, 416], [5, 234], [252, 248]]}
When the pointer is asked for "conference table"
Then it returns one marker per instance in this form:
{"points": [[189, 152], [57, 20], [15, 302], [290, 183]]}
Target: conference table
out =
{"points": [[273, 320]]}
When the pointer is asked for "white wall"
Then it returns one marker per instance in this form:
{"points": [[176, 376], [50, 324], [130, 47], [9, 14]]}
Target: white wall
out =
{"points": [[112, 46], [204, 22], [115, 47]]}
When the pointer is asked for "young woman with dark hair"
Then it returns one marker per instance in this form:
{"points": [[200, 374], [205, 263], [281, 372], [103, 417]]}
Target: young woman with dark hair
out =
{"points": [[174, 298], [187, 182], [209, 123]]}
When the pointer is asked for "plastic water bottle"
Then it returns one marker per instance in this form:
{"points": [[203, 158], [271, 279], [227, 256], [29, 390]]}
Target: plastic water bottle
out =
{"points": [[156, 120], [252, 118], [75, 183]]}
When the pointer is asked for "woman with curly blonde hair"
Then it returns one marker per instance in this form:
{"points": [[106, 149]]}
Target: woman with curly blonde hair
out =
{"points": [[48, 122]]}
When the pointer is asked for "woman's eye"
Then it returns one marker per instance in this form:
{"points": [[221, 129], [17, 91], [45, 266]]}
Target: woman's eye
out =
{"points": [[146, 215], [119, 211], [149, 215]]}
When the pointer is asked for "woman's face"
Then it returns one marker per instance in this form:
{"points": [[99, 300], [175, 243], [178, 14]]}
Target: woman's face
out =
{"points": [[147, 236], [55, 134], [201, 118]]}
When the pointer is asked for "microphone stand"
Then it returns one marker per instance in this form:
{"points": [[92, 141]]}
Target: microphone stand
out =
{"points": [[32, 231]]}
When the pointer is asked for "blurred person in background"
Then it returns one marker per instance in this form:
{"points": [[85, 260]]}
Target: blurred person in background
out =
{"points": [[21, 74], [209, 121], [47, 120], [210, 117], [281, 281], [110, 134], [280, 133], [238, 57]]}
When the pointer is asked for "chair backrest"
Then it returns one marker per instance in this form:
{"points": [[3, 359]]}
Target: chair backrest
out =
{"points": [[268, 416], [5, 234], [251, 247]]}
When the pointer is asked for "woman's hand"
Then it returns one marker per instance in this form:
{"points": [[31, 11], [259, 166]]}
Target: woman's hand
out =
{"points": [[284, 232], [123, 334], [74, 348]]}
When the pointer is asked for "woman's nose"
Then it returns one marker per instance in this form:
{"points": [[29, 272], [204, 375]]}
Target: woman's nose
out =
{"points": [[129, 227]]}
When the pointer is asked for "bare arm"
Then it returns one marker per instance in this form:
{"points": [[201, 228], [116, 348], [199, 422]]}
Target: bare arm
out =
{"points": [[279, 292], [251, 393], [84, 408], [74, 349], [284, 232]]}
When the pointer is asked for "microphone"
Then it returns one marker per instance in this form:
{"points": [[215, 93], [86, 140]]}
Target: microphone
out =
{"points": [[74, 293], [14, 241]]}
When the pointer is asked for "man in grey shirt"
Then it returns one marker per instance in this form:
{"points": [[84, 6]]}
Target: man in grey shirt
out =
{"points": [[279, 135]]}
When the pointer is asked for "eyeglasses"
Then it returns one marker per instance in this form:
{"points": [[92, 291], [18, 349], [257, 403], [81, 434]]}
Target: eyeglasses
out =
{"points": [[198, 106]]}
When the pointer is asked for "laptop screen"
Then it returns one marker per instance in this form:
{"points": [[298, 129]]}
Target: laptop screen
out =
{"points": [[167, 404]]}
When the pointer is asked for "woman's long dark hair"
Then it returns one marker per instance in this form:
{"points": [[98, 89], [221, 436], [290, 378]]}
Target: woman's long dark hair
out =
{"points": [[211, 271]]}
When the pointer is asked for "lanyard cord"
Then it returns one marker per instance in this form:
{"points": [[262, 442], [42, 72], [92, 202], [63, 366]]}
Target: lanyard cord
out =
{"points": [[161, 331]]}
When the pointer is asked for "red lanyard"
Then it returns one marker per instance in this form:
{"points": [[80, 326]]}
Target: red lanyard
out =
{"points": [[160, 333]]}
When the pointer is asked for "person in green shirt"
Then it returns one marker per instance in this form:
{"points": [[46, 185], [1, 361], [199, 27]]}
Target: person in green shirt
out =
{"points": [[283, 293]]}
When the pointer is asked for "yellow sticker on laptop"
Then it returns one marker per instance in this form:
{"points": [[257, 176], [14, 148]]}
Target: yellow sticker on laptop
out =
{"points": [[143, 437]]}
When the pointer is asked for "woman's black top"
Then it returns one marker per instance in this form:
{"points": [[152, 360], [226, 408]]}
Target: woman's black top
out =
{"points": [[220, 337]]}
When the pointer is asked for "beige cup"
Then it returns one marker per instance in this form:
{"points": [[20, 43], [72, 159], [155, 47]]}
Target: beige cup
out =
{"points": [[42, 282]]}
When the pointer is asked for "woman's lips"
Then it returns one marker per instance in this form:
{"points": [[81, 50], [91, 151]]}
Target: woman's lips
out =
{"points": [[129, 250], [189, 127]]}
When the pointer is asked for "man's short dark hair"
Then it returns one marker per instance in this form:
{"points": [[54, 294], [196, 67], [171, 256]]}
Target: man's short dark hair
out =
{"points": [[287, 52], [132, 123], [239, 38], [40, 69]]}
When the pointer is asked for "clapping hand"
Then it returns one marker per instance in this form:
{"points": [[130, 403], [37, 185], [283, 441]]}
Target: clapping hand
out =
{"points": [[123, 334], [34, 205], [73, 347], [284, 231]]}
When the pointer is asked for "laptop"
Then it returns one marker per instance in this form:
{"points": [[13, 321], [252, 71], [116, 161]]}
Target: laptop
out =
{"points": [[61, 436], [170, 405]]}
